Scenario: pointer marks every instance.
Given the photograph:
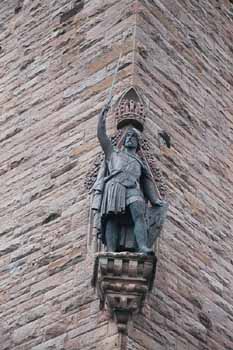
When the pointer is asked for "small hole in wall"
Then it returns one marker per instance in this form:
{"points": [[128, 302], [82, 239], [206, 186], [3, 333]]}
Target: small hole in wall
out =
{"points": [[51, 217], [78, 6], [164, 138], [19, 6]]}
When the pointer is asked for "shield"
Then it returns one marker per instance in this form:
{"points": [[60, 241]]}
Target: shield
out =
{"points": [[156, 216]]}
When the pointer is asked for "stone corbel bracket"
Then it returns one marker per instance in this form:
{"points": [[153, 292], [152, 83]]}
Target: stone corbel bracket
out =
{"points": [[122, 281]]}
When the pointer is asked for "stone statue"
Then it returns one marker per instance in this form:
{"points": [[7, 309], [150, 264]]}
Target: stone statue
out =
{"points": [[126, 202]]}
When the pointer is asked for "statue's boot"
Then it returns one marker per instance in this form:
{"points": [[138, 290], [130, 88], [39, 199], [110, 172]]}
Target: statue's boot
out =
{"points": [[142, 248], [146, 251]]}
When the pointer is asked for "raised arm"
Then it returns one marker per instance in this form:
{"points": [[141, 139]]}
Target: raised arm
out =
{"points": [[104, 140]]}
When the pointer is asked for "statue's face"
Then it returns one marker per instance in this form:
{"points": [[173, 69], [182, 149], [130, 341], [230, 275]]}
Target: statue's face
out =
{"points": [[131, 139]]}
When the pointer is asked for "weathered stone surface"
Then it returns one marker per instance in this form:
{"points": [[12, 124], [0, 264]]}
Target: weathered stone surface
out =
{"points": [[57, 60]]}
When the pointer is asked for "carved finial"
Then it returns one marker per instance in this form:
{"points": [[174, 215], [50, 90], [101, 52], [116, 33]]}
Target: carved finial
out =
{"points": [[130, 110]]}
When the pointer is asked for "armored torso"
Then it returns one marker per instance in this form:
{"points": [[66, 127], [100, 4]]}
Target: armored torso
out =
{"points": [[125, 169], [122, 183]]}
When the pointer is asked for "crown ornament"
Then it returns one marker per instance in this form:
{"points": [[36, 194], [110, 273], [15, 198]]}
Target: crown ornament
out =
{"points": [[130, 110]]}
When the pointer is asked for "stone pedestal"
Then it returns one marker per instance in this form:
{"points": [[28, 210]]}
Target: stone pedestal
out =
{"points": [[122, 281]]}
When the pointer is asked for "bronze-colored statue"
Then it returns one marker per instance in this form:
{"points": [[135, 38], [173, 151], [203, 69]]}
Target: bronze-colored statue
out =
{"points": [[123, 188]]}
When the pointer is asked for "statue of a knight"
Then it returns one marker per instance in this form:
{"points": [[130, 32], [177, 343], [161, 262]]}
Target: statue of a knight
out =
{"points": [[126, 200]]}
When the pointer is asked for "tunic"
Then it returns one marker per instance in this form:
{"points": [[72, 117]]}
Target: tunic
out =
{"points": [[122, 184]]}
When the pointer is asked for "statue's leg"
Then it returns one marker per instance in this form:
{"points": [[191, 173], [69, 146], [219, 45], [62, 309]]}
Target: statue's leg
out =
{"points": [[112, 234], [137, 210]]}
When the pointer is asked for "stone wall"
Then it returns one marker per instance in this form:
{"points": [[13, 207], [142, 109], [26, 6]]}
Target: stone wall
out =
{"points": [[57, 60], [185, 68]]}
